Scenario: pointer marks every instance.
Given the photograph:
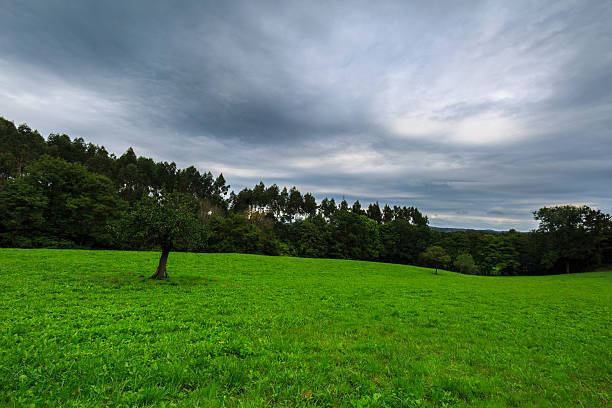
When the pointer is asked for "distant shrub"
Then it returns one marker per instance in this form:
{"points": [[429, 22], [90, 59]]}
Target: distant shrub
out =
{"points": [[465, 264], [271, 247], [233, 233]]}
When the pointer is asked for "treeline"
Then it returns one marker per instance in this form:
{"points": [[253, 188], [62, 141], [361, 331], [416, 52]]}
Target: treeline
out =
{"points": [[63, 192]]}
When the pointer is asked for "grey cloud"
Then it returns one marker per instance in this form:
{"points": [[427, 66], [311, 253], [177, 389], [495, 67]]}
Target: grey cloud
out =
{"points": [[308, 93], [496, 211]]}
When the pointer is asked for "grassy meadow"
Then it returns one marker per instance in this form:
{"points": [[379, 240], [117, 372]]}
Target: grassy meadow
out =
{"points": [[88, 329]]}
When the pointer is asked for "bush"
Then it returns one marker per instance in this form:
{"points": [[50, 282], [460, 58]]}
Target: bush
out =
{"points": [[232, 234], [465, 264]]}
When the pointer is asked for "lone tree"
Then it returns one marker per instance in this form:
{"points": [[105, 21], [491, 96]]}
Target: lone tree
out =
{"points": [[435, 257], [165, 220]]}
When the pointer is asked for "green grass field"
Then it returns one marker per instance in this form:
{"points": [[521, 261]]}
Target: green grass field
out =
{"points": [[87, 328]]}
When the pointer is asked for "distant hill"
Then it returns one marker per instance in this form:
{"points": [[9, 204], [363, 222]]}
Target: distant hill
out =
{"points": [[445, 229]]}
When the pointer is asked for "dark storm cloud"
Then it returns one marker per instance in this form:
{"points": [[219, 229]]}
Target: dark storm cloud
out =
{"points": [[477, 113], [193, 69]]}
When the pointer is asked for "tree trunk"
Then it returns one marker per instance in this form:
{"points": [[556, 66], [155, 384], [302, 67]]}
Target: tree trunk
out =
{"points": [[567, 267], [160, 272]]}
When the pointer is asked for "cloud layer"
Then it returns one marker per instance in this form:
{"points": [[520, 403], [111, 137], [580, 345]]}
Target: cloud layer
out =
{"points": [[475, 112]]}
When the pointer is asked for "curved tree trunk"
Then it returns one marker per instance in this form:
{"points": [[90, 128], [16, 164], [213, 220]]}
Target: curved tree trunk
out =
{"points": [[160, 272]]}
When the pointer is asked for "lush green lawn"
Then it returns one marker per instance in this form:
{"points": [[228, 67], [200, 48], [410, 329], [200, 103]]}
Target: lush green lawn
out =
{"points": [[87, 328]]}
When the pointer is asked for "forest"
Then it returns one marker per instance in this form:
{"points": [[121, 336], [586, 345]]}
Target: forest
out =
{"points": [[60, 192]]}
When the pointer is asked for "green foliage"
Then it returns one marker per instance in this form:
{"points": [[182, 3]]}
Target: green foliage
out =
{"points": [[311, 238], [88, 329], [435, 257], [356, 208], [499, 256], [354, 236], [572, 235], [167, 221], [309, 205], [374, 213], [402, 242], [58, 201], [343, 206], [328, 207], [387, 214], [42, 206], [18, 147], [233, 233], [465, 264], [80, 203], [22, 205], [559, 227]]}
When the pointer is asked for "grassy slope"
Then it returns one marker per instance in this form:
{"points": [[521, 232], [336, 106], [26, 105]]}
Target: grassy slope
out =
{"points": [[85, 328]]}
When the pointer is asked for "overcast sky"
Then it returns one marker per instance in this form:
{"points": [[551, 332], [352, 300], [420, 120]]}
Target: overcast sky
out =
{"points": [[475, 112]]}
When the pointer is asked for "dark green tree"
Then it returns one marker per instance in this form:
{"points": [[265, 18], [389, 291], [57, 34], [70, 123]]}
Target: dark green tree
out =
{"points": [[18, 147], [465, 264], [233, 233], [311, 237], [100, 161], [309, 205], [402, 242], [80, 204], [8, 161], [28, 148], [374, 212], [219, 191], [343, 205], [22, 205], [356, 209], [271, 200], [387, 214], [354, 236], [295, 204], [328, 207], [259, 197], [574, 234], [283, 203], [60, 146], [241, 203]]}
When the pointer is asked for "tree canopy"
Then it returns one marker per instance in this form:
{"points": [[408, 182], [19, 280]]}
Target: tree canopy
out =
{"points": [[436, 257], [572, 234], [59, 203], [63, 192], [165, 220]]}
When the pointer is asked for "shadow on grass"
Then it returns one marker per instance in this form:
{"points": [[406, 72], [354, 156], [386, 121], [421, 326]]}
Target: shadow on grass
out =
{"points": [[123, 278]]}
